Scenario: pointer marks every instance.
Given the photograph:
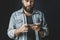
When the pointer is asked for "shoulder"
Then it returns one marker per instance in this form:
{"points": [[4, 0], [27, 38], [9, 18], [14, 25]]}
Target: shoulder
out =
{"points": [[18, 12], [35, 11]]}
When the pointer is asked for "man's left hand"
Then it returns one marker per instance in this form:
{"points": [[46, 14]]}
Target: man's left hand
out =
{"points": [[36, 26]]}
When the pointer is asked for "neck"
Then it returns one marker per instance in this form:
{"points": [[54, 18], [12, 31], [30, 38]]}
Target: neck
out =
{"points": [[27, 13]]}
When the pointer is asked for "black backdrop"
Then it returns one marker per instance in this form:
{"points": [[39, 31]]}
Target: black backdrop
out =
{"points": [[51, 8]]}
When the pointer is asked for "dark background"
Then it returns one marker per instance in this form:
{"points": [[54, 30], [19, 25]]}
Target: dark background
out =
{"points": [[51, 8]]}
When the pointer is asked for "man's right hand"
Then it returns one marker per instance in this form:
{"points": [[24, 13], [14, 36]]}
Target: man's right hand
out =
{"points": [[23, 28]]}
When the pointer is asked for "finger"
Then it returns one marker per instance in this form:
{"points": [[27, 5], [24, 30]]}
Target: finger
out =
{"points": [[34, 27], [37, 23], [26, 25], [26, 30]]}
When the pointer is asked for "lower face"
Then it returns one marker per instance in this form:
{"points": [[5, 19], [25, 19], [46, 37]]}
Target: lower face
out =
{"points": [[28, 8]]}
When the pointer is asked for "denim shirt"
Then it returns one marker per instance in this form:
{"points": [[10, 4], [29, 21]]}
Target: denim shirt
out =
{"points": [[18, 18]]}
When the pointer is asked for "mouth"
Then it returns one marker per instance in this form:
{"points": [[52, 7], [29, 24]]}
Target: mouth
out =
{"points": [[28, 8]]}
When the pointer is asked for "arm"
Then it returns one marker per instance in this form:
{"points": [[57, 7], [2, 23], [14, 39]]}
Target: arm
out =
{"points": [[44, 31], [12, 32], [11, 29]]}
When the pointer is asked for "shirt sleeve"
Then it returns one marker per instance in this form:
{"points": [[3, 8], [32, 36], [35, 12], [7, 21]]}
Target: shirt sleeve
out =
{"points": [[11, 29], [44, 24]]}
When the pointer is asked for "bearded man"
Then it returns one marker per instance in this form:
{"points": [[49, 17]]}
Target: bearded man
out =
{"points": [[27, 23]]}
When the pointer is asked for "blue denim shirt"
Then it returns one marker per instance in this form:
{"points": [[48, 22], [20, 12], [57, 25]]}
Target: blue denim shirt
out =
{"points": [[18, 18]]}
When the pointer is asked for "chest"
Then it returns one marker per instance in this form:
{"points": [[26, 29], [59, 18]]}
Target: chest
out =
{"points": [[21, 19]]}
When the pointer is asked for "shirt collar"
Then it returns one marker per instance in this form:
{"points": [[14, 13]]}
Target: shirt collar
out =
{"points": [[21, 10]]}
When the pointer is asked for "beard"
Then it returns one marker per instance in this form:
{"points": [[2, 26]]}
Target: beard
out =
{"points": [[28, 9]]}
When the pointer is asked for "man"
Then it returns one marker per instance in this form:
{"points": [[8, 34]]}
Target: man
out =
{"points": [[27, 23]]}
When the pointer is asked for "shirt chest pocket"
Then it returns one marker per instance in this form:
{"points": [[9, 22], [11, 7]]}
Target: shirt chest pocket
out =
{"points": [[19, 20], [37, 19]]}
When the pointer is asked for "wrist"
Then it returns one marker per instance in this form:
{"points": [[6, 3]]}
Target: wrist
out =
{"points": [[40, 30], [17, 32]]}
